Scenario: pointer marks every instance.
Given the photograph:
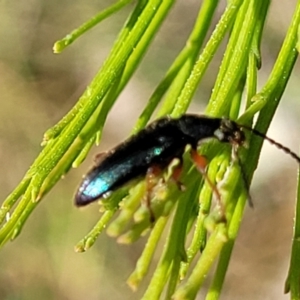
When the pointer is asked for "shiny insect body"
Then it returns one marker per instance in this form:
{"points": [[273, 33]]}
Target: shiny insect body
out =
{"points": [[152, 149]]}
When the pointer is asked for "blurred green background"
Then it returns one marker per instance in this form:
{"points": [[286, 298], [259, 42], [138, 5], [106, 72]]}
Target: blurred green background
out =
{"points": [[37, 88]]}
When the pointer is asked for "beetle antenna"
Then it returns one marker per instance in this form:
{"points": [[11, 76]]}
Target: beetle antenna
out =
{"points": [[273, 142]]}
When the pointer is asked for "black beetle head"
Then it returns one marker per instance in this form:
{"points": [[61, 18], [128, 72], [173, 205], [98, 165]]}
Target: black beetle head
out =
{"points": [[230, 132]]}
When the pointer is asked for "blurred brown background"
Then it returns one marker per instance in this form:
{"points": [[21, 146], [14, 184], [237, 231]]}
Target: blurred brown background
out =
{"points": [[37, 88]]}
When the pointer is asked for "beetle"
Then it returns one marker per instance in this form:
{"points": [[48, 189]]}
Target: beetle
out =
{"points": [[150, 151]]}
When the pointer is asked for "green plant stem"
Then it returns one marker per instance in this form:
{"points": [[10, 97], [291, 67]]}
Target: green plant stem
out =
{"points": [[213, 247], [193, 45], [68, 118], [87, 105], [235, 59], [234, 64], [185, 57], [225, 254], [174, 246], [133, 62], [205, 57], [272, 91], [60, 45], [145, 259], [88, 241], [285, 63], [293, 279]]}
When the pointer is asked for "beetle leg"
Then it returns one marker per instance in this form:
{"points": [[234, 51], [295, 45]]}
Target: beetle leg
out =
{"points": [[201, 163], [176, 173], [153, 173], [99, 157]]}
